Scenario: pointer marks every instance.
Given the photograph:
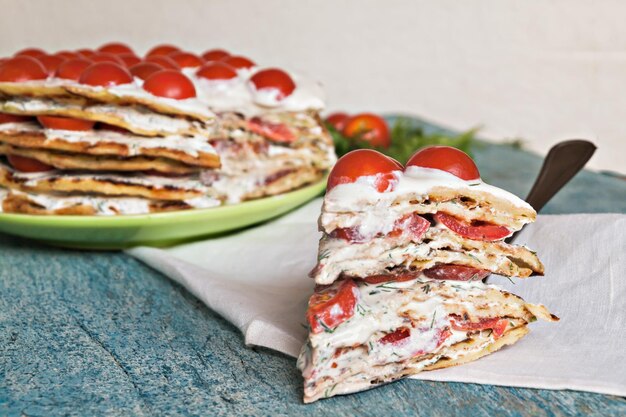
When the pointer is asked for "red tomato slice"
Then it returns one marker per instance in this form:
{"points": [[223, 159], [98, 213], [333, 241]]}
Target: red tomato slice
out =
{"points": [[65, 123], [498, 325], [144, 70], [274, 79], [129, 59], [277, 132], [412, 225], [396, 337], [164, 61], [216, 71], [446, 158], [11, 118], [72, 68], [456, 273], [368, 127], [399, 277], [474, 231], [365, 162], [214, 55], [32, 52], [238, 62], [22, 68], [170, 84], [338, 120], [105, 74], [160, 50], [330, 307], [116, 48], [186, 59], [24, 164]]}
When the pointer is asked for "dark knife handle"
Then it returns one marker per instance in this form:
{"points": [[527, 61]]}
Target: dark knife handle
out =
{"points": [[563, 161]]}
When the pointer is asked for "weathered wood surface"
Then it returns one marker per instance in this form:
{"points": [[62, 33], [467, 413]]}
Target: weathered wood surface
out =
{"points": [[96, 333]]}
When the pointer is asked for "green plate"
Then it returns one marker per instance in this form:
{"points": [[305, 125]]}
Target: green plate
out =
{"points": [[159, 229]]}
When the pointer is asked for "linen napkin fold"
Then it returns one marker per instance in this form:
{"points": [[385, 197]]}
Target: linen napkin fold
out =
{"points": [[257, 279]]}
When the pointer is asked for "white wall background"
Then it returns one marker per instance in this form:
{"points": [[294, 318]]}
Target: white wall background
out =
{"points": [[541, 70]]}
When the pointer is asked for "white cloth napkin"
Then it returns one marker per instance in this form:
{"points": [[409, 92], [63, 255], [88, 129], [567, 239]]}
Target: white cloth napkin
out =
{"points": [[257, 279]]}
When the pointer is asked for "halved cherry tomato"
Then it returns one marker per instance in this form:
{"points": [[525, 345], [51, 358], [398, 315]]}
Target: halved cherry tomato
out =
{"points": [[498, 325], [337, 120], [446, 158], [12, 118], [116, 48], [278, 132], [475, 230], [214, 55], [106, 57], [51, 62], [32, 52], [129, 59], [396, 336], [274, 79], [369, 128], [72, 68], [144, 70], [186, 59], [400, 277], [163, 49], [216, 71], [330, 307], [164, 61], [24, 164], [238, 62], [456, 273], [105, 74], [65, 123], [365, 162], [22, 68], [86, 52], [170, 84], [67, 54]]}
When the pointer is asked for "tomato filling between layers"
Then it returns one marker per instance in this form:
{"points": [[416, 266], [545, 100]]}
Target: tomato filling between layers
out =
{"points": [[497, 325], [411, 225], [276, 132], [477, 230], [24, 164], [330, 307]]}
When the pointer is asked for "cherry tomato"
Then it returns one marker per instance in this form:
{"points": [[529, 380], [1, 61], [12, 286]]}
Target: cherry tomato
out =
{"points": [[129, 59], [216, 71], [105, 74], [67, 54], [72, 68], [446, 158], [274, 79], [214, 55], [23, 164], [170, 84], [65, 123], [365, 162], [186, 59], [337, 120], [475, 230], [11, 118], [277, 132], [144, 70], [238, 62], [51, 62], [116, 48], [106, 57], [32, 52], [163, 49], [164, 61], [22, 68], [368, 127], [330, 307], [456, 273], [396, 337], [86, 52], [498, 325]]}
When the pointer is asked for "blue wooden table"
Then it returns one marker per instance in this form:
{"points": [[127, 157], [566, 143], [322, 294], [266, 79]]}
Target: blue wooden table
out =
{"points": [[99, 333]]}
